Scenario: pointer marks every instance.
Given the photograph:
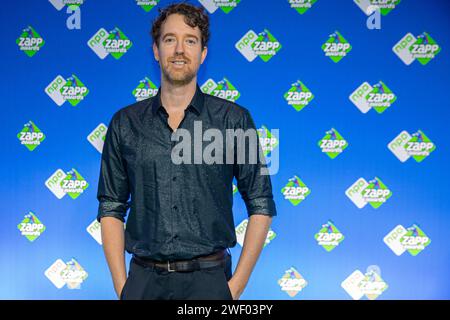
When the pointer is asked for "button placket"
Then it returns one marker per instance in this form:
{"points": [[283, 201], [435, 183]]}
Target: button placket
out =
{"points": [[171, 183]]}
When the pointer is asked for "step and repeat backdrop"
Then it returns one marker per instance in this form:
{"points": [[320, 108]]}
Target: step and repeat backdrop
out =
{"points": [[359, 97]]}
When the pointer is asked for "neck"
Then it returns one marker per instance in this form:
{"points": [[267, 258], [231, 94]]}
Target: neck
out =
{"points": [[177, 97]]}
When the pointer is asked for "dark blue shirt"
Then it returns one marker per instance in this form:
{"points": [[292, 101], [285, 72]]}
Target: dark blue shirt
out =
{"points": [[177, 211]]}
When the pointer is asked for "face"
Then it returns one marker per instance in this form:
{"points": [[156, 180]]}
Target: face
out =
{"points": [[180, 51]]}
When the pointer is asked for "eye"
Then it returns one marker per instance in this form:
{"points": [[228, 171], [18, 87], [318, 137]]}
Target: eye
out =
{"points": [[169, 39], [191, 41]]}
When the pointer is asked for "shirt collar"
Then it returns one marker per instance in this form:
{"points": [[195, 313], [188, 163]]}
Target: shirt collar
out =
{"points": [[196, 103]]}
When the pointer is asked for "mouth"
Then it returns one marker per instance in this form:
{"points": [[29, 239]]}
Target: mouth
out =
{"points": [[179, 62]]}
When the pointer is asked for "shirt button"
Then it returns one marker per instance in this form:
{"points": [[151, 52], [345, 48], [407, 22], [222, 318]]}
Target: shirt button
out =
{"points": [[175, 208], [174, 179]]}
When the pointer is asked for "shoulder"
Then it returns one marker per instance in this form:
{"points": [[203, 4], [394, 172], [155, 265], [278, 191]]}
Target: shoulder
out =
{"points": [[131, 111], [229, 109], [134, 109]]}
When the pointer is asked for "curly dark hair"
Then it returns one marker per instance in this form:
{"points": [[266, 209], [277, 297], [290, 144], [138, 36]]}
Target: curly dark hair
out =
{"points": [[193, 17]]}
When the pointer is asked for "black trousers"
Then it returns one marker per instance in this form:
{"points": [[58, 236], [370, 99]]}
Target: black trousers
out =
{"points": [[145, 283]]}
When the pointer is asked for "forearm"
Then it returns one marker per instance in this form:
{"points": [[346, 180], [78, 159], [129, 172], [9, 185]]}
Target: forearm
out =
{"points": [[255, 237], [113, 239]]}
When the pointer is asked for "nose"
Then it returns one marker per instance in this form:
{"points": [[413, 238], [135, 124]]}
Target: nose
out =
{"points": [[179, 50]]}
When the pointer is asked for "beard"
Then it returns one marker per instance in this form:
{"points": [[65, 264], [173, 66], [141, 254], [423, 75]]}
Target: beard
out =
{"points": [[178, 77]]}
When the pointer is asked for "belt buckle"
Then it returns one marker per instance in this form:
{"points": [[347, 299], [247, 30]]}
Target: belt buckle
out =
{"points": [[168, 267]]}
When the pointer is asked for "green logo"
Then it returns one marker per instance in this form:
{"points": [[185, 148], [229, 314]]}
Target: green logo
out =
{"points": [[147, 5], [292, 282], [298, 96], [222, 89], [31, 227], [385, 6], [336, 47], [226, 5], [295, 191], [329, 237], [376, 193], [97, 137], [419, 146], [372, 285], [265, 46], [74, 90], [301, 6], [74, 184], [369, 284], [381, 97], [425, 48], [75, 3], [415, 240], [117, 43], [333, 144], [31, 136], [30, 41], [378, 97], [145, 89], [267, 140], [73, 274]]}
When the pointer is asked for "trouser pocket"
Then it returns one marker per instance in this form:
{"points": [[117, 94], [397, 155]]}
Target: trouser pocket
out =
{"points": [[225, 283], [122, 293]]}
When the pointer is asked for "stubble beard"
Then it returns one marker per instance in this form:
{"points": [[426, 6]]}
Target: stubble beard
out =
{"points": [[178, 77]]}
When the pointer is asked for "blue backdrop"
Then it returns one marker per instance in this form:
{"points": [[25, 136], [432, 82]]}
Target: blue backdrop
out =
{"points": [[419, 189]]}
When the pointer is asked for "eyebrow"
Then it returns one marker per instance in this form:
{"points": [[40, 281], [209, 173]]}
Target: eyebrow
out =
{"points": [[190, 35]]}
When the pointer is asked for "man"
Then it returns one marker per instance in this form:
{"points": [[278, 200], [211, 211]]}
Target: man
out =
{"points": [[180, 224]]}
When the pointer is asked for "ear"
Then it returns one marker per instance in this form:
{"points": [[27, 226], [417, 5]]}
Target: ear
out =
{"points": [[155, 52], [204, 53]]}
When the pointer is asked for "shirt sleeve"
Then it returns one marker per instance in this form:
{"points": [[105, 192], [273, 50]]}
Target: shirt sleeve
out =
{"points": [[255, 188], [113, 188]]}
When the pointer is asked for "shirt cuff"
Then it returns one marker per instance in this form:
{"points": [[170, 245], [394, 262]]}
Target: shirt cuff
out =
{"points": [[264, 206], [112, 209]]}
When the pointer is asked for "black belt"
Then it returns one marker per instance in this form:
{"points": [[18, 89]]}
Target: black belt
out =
{"points": [[207, 262]]}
